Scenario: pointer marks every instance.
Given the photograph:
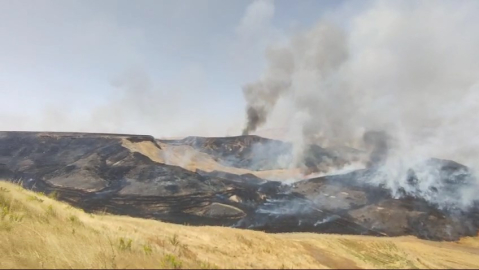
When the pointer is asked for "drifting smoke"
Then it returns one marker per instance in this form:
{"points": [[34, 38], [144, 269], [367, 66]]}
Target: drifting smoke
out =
{"points": [[137, 104], [290, 69], [409, 70], [405, 69]]}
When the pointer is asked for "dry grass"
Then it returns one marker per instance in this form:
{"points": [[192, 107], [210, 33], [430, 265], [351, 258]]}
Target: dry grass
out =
{"points": [[184, 156], [397, 252], [191, 159], [38, 232]]}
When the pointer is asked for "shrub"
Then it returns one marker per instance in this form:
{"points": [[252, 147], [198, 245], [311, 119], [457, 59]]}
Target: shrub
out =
{"points": [[174, 240], [125, 244], [50, 211], [170, 261], [147, 249]]}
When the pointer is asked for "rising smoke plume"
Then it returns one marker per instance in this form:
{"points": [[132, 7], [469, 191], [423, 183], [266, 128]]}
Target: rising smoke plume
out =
{"points": [[377, 142], [406, 69]]}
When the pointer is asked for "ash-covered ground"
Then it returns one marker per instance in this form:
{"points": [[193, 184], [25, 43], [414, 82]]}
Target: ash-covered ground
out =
{"points": [[128, 174]]}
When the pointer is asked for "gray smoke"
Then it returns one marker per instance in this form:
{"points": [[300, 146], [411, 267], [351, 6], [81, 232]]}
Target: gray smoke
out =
{"points": [[293, 67], [377, 141], [406, 69], [262, 96]]}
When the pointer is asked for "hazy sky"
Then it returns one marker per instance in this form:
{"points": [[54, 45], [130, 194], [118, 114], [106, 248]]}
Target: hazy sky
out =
{"points": [[167, 68]]}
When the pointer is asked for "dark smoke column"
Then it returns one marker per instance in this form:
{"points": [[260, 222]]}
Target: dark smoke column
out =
{"points": [[255, 117], [378, 142], [261, 96]]}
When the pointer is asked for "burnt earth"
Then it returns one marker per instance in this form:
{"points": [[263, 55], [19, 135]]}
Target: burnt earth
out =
{"points": [[95, 172], [257, 154]]}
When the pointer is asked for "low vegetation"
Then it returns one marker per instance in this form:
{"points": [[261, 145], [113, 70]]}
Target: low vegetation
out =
{"points": [[39, 232]]}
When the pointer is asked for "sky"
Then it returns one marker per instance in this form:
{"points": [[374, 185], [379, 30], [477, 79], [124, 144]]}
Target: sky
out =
{"points": [[165, 68]]}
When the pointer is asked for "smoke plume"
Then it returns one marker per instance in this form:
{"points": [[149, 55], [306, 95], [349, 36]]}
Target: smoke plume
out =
{"points": [[377, 141], [405, 69]]}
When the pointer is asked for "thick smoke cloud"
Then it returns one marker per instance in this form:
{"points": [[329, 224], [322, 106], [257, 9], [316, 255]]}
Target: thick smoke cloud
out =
{"points": [[406, 69], [378, 143], [304, 65]]}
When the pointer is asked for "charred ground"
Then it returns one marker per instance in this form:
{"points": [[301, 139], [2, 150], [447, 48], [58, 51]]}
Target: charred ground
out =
{"points": [[258, 154], [97, 173]]}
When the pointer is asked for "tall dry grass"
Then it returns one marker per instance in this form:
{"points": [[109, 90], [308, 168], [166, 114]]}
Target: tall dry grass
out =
{"points": [[37, 231]]}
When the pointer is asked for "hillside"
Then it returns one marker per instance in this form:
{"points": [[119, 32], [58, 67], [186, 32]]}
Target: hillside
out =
{"points": [[40, 232], [139, 176]]}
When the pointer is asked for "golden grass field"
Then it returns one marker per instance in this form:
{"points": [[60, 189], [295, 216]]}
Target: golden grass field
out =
{"points": [[36, 231]]}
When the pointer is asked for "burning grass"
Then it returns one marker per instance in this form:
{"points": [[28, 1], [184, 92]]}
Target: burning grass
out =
{"points": [[39, 232]]}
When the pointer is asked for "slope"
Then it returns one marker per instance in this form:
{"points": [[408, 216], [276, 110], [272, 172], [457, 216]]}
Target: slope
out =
{"points": [[191, 159], [40, 232]]}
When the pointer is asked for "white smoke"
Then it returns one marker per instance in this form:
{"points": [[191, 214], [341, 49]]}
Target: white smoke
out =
{"points": [[410, 69]]}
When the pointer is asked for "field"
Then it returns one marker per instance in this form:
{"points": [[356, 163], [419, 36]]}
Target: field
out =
{"points": [[39, 232]]}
